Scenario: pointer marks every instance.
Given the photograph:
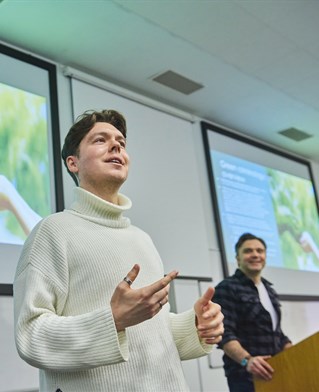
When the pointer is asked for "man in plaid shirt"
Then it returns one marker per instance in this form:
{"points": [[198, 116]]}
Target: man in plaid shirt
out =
{"points": [[252, 318]]}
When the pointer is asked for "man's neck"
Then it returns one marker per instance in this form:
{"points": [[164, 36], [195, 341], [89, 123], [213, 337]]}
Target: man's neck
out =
{"points": [[106, 193], [255, 277]]}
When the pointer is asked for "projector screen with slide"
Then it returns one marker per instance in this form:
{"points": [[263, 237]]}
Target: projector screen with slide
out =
{"points": [[30, 163], [260, 190]]}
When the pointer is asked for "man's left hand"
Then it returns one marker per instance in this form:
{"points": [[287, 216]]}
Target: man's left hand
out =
{"points": [[209, 318]]}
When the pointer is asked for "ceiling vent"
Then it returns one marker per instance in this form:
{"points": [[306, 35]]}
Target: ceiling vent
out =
{"points": [[295, 134], [177, 82]]}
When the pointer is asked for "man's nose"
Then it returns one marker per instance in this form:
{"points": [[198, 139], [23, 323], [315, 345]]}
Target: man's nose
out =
{"points": [[115, 146]]}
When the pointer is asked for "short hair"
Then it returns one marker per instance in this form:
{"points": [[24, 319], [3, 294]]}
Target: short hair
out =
{"points": [[83, 124], [245, 237]]}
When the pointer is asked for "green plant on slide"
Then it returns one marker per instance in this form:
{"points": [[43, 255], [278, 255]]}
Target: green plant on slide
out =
{"points": [[24, 158], [296, 213]]}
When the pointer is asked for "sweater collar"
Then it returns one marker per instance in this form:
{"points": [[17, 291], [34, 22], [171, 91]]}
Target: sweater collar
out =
{"points": [[93, 208]]}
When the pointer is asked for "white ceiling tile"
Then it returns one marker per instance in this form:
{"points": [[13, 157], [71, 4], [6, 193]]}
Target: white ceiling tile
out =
{"points": [[287, 70], [264, 48], [307, 91], [210, 25], [296, 20]]}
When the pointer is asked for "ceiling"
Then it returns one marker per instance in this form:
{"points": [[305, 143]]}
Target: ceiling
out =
{"points": [[258, 60]]}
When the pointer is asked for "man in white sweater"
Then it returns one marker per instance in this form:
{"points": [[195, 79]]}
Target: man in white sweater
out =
{"points": [[85, 327]]}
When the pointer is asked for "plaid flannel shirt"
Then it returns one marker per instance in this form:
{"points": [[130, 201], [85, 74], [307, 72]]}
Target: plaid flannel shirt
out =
{"points": [[246, 320]]}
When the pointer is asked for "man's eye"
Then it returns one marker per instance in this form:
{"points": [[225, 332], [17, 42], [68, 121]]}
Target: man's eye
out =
{"points": [[99, 140]]}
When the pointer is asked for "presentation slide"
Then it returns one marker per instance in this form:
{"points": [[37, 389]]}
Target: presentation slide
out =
{"points": [[259, 189], [279, 207], [30, 162], [25, 189]]}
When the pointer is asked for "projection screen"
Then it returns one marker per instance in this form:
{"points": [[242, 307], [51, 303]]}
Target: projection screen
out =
{"points": [[268, 193]]}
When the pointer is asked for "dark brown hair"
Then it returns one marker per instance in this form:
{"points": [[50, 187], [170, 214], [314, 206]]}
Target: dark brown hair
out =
{"points": [[245, 237], [84, 123]]}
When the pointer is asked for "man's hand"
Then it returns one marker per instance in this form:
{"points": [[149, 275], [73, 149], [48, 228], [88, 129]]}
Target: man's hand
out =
{"points": [[131, 307], [209, 318], [260, 368]]}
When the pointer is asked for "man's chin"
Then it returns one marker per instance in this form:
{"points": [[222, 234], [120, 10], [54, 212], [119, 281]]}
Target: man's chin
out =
{"points": [[255, 268], [117, 179]]}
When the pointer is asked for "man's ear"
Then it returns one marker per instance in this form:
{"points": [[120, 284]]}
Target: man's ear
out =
{"points": [[237, 258], [72, 163]]}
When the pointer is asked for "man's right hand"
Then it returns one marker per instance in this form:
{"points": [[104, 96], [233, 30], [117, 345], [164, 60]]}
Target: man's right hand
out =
{"points": [[133, 306], [260, 368]]}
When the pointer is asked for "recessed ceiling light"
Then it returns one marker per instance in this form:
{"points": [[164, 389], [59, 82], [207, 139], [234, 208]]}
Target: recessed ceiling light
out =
{"points": [[295, 134], [177, 82]]}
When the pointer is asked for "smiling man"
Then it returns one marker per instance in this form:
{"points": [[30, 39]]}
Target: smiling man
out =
{"points": [[252, 317], [90, 295]]}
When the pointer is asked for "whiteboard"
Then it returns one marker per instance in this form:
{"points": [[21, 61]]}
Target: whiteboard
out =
{"points": [[163, 183]]}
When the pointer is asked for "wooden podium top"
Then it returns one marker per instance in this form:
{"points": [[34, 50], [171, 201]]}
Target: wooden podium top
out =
{"points": [[296, 369]]}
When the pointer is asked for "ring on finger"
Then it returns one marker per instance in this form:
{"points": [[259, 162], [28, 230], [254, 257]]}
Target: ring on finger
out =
{"points": [[127, 280]]}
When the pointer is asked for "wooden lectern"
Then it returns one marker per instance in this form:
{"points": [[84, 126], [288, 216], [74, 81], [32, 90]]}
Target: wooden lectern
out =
{"points": [[296, 369]]}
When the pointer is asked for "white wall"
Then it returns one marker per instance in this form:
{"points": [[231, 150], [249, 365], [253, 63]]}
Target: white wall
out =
{"points": [[300, 319]]}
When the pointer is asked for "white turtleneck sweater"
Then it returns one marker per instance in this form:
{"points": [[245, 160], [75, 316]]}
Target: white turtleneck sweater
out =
{"points": [[67, 273]]}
